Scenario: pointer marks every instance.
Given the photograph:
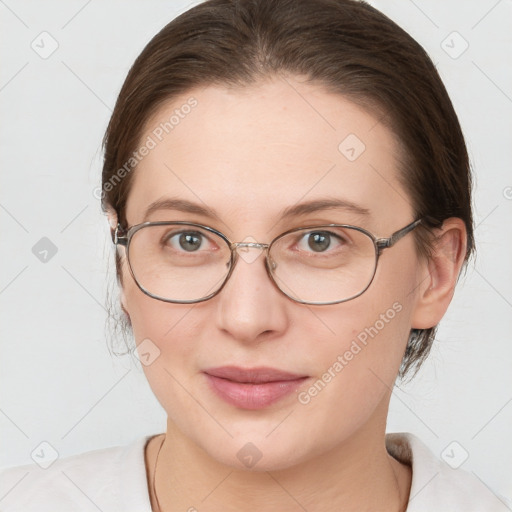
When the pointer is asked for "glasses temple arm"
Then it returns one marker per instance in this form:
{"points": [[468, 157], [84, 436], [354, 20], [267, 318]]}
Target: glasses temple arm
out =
{"points": [[118, 235], [382, 243]]}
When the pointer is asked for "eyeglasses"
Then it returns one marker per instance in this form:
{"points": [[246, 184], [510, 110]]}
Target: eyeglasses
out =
{"points": [[184, 262]]}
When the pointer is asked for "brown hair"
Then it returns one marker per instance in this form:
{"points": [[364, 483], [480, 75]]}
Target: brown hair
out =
{"points": [[346, 46]]}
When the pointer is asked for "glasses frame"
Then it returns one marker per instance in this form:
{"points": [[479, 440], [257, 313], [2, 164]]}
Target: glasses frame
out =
{"points": [[123, 237]]}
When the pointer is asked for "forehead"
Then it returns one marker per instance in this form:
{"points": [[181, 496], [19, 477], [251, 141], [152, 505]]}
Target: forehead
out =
{"points": [[250, 153]]}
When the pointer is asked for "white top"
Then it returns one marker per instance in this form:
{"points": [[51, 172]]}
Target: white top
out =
{"points": [[114, 480]]}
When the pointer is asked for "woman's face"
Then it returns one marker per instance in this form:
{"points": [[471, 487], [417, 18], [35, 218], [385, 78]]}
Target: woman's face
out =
{"points": [[247, 155]]}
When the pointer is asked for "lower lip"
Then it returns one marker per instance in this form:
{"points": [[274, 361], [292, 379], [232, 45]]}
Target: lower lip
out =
{"points": [[253, 396]]}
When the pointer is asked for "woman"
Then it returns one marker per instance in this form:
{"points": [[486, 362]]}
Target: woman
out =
{"points": [[288, 190]]}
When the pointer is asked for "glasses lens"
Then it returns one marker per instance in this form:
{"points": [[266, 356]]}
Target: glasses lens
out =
{"points": [[325, 264], [178, 262]]}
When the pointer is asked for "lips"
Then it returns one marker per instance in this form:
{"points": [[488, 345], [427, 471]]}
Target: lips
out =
{"points": [[252, 375], [252, 388]]}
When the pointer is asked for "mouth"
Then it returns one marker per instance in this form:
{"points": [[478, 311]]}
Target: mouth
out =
{"points": [[252, 388]]}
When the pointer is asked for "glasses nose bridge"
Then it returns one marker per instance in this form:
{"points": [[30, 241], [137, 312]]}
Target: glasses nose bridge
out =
{"points": [[237, 245], [245, 246], [270, 265]]}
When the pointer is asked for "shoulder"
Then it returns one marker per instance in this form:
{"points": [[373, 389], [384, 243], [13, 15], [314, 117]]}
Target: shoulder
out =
{"points": [[436, 485], [112, 479]]}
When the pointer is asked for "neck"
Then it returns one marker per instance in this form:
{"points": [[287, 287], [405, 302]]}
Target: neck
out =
{"points": [[357, 475]]}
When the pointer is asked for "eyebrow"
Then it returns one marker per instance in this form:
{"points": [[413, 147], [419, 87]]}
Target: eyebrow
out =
{"points": [[296, 210], [181, 205], [323, 204]]}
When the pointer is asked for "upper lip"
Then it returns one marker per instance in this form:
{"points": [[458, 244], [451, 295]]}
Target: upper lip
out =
{"points": [[252, 375]]}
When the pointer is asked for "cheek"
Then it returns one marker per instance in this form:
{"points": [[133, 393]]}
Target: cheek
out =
{"points": [[164, 334], [150, 318], [165, 330], [356, 369], [364, 337], [165, 324]]}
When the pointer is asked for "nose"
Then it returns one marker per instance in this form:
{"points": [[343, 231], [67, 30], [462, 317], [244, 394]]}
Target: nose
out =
{"points": [[250, 308]]}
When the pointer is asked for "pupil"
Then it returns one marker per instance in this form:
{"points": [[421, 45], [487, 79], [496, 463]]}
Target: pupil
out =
{"points": [[319, 241], [189, 242]]}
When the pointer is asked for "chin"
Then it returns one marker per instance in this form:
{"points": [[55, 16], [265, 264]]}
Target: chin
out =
{"points": [[258, 453]]}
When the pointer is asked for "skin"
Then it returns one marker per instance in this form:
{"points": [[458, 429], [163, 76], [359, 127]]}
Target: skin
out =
{"points": [[248, 154]]}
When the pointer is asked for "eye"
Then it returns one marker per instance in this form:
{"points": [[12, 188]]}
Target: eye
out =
{"points": [[189, 241], [320, 241]]}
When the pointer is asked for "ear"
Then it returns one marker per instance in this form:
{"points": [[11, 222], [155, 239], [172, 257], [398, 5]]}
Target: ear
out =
{"points": [[112, 219], [439, 274]]}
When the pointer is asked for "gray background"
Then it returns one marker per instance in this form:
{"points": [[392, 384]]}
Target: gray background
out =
{"points": [[59, 382]]}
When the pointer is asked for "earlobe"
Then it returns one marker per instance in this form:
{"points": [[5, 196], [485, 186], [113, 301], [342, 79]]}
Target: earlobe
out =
{"points": [[440, 274], [112, 218]]}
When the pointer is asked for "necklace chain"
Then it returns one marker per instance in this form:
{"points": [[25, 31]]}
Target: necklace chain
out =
{"points": [[154, 476], [160, 508]]}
